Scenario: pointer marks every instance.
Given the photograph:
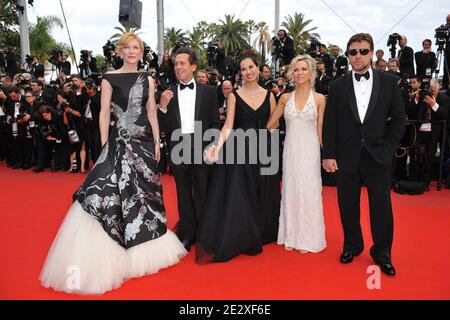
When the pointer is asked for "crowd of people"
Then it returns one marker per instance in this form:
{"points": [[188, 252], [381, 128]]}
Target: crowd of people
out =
{"points": [[348, 125]]}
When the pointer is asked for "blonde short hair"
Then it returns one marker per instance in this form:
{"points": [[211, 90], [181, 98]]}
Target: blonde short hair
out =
{"points": [[311, 66], [127, 38]]}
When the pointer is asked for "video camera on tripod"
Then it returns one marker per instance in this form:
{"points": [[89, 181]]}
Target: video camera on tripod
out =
{"points": [[392, 42], [442, 35]]}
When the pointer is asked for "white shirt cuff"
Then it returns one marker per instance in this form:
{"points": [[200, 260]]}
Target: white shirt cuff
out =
{"points": [[435, 107], [162, 110]]}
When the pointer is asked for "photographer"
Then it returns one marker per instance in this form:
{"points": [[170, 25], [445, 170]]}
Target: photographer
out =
{"points": [[14, 117], [286, 47], [220, 59], [322, 80], [38, 68], [88, 64], [151, 59], [48, 138], [326, 59], [426, 60], [340, 63], [91, 128], [166, 71], [9, 62], [74, 120], [435, 107], [214, 78], [225, 90], [265, 76], [405, 58], [27, 127], [27, 66], [63, 63]]}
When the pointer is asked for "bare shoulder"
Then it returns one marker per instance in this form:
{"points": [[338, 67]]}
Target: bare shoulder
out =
{"points": [[319, 98], [285, 97]]}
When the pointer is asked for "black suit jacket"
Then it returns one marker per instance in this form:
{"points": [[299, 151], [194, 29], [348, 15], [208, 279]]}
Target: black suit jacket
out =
{"points": [[288, 50], [206, 111], [440, 114], [322, 85], [343, 133], [406, 61], [424, 61], [341, 65]]}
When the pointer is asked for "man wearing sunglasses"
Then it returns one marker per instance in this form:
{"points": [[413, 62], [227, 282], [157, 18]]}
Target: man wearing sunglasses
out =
{"points": [[363, 123]]}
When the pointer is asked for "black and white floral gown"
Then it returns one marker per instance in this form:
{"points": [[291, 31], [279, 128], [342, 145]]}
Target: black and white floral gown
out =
{"points": [[116, 228]]}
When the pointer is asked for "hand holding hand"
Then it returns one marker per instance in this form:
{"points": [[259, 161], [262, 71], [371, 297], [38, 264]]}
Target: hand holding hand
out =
{"points": [[330, 165]]}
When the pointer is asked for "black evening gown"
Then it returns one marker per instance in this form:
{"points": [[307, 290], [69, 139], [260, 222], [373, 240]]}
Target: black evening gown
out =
{"points": [[116, 228], [243, 206]]}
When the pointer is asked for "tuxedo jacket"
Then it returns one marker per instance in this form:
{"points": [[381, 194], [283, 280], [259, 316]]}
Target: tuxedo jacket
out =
{"points": [[206, 111], [343, 133]]}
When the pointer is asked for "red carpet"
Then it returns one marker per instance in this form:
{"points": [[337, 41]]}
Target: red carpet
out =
{"points": [[33, 206]]}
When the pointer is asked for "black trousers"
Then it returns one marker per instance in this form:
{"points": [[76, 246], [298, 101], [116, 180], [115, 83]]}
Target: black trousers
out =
{"points": [[46, 151], [92, 144], [376, 177], [422, 166], [6, 146], [192, 185]]}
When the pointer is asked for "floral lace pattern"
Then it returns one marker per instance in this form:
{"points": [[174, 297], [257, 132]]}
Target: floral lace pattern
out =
{"points": [[123, 191]]}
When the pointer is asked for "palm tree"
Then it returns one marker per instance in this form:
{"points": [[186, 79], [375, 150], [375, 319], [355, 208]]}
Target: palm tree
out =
{"points": [[196, 41], [296, 25], [173, 37], [262, 42], [252, 27], [41, 39], [233, 34], [121, 31]]}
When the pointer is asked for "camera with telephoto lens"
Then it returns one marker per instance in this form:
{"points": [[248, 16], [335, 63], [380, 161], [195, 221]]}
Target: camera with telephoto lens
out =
{"points": [[29, 59], [108, 49], [314, 47], [392, 42], [84, 55], [442, 34], [54, 56]]}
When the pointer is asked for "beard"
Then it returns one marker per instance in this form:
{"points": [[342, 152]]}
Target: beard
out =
{"points": [[361, 67]]}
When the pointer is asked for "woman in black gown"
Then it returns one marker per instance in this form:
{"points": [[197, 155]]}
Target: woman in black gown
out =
{"points": [[243, 205], [116, 228]]}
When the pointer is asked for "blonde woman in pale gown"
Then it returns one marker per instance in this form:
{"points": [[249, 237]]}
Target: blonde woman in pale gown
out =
{"points": [[301, 218]]}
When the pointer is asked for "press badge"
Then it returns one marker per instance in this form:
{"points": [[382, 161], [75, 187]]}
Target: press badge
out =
{"points": [[428, 72]]}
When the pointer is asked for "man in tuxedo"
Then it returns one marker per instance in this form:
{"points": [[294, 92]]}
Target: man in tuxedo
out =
{"points": [[183, 106], [340, 63], [364, 121], [405, 58], [326, 59]]}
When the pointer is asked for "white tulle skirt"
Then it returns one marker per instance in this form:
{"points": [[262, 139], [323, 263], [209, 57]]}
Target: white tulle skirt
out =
{"points": [[83, 259]]}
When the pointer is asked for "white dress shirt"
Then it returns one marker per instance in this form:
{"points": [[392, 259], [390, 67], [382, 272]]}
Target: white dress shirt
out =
{"points": [[186, 102], [363, 91]]}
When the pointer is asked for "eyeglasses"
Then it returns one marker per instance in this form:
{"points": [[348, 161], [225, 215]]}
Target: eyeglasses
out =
{"points": [[354, 52], [28, 97]]}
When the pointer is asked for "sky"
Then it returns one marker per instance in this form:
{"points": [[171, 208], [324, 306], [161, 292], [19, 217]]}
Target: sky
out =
{"points": [[91, 22]]}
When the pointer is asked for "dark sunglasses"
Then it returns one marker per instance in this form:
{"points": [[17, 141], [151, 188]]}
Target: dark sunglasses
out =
{"points": [[354, 52]]}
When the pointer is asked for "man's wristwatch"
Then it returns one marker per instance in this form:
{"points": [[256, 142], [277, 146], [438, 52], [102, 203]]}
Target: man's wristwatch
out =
{"points": [[159, 141]]}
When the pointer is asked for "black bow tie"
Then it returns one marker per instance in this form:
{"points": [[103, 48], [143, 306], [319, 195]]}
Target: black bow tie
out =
{"points": [[358, 76], [184, 86]]}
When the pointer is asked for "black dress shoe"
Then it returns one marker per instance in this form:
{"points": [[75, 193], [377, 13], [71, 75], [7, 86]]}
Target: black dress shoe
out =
{"points": [[388, 269], [37, 170], [187, 245], [347, 257]]}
